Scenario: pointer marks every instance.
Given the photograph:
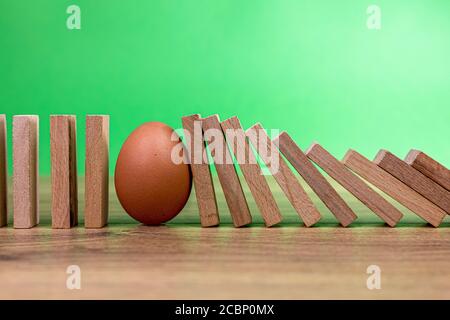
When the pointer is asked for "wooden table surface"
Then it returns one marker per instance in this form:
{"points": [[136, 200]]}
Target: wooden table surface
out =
{"points": [[181, 260]]}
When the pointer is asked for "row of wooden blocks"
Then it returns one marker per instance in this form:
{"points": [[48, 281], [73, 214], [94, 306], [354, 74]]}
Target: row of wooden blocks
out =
{"points": [[419, 183], [64, 191]]}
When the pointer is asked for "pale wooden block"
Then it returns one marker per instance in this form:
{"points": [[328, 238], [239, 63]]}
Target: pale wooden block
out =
{"points": [[283, 175], [3, 173], [394, 188], [203, 184], [96, 171], [414, 179], [429, 167], [256, 181], [26, 171], [315, 179], [226, 171], [335, 169], [64, 171]]}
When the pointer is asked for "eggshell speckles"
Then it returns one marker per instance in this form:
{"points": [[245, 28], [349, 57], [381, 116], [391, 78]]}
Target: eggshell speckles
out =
{"points": [[150, 186]]}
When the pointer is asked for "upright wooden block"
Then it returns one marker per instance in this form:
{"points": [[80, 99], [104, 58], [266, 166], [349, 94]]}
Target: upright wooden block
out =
{"points": [[394, 188], [229, 180], [256, 181], [314, 178], [429, 167], [3, 173], [26, 171], [64, 171], [97, 171], [283, 175], [203, 184], [414, 179], [355, 185]]}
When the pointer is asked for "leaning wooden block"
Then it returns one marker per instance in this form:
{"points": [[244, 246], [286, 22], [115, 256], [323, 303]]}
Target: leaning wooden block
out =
{"points": [[283, 175], [203, 184], [26, 172], [386, 211], [394, 188], [64, 171], [315, 179], [3, 173], [229, 180], [414, 179], [256, 181], [97, 171], [429, 167]]}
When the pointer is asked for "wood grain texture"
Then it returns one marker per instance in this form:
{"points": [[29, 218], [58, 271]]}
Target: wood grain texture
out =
{"points": [[229, 180], [414, 179], [201, 172], [26, 173], [335, 169], [394, 188], [314, 178], [253, 175], [3, 173], [283, 175], [96, 171], [64, 171], [429, 167]]}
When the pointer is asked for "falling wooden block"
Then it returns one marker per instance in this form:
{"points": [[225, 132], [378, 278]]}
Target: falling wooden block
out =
{"points": [[394, 188], [315, 179], [256, 181], [229, 180], [429, 167], [414, 179], [97, 171], [283, 175], [64, 171], [26, 171], [203, 184], [3, 173], [335, 169]]}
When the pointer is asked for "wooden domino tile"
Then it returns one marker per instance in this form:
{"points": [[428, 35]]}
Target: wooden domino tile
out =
{"points": [[256, 181], [3, 173], [414, 179], [203, 184], [314, 179], [429, 167], [335, 169], [26, 173], [229, 180], [283, 175], [97, 171], [394, 188], [64, 171]]}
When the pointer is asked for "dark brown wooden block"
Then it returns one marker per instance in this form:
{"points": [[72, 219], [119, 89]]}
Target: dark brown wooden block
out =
{"points": [[3, 173], [414, 179], [26, 171], [283, 175], [229, 180], [256, 181], [203, 184], [429, 167], [314, 178], [394, 188], [96, 171], [64, 171]]}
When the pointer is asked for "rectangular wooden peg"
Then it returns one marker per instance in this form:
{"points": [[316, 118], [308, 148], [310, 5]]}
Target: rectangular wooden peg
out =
{"points": [[64, 171], [3, 173], [26, 171], [97, 171]]}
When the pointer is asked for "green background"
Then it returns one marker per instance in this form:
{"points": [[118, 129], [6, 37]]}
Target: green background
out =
{"points": [[309, 67]]}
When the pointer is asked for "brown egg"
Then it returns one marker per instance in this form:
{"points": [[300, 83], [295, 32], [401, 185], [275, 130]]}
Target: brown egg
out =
{"points": [[150, 186]]}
